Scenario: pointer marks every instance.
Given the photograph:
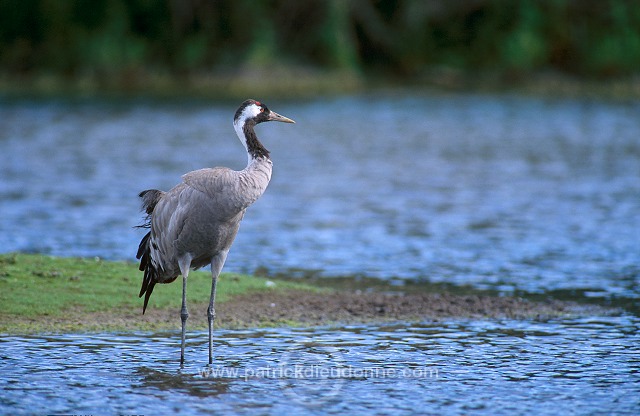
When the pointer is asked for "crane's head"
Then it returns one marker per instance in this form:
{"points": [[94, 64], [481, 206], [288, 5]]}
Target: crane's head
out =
{"points": [[250, 113], [256, 112]]}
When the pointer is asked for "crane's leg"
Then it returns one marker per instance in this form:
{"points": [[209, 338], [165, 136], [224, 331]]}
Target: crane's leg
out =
{"points": [[184, 264], [216, 267], [211, 315]]}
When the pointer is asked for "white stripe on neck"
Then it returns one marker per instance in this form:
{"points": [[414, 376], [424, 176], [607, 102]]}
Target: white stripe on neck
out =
{"points": [[250, 111]]}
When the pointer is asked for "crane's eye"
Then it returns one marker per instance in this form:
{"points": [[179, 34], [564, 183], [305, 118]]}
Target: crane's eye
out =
{"points": [[262, 109]]}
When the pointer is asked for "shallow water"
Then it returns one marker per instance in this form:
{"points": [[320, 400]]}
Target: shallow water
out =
{"points": [[514, 194], [504, 367]]}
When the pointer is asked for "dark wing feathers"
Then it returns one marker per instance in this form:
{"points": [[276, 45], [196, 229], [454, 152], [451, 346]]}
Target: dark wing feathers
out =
{"points": [[150, 199]]}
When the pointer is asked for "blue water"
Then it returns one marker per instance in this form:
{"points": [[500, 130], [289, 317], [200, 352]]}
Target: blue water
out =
{"points": [[580, 366], [519, 195], [504, 192]]}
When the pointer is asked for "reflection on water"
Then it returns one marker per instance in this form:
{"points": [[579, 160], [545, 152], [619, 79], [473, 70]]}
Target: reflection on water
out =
{"points": [[495, 191], [570, 366]]}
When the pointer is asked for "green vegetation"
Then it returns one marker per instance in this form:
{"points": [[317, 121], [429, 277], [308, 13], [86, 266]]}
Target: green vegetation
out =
{"points": [[228, 47], [47, 294], [37, 289]]}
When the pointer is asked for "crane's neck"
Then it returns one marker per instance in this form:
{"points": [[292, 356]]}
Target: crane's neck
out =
{"points": [[249, 139]]}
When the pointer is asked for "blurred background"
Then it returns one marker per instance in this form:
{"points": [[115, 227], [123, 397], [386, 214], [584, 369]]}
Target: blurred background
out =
{"points": [[290, 47], [472, 182]]}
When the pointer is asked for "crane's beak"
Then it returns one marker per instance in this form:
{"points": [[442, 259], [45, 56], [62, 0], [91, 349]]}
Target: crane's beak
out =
{"points": [[273, 116]]}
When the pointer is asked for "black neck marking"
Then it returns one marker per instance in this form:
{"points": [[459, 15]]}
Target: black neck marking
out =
{"points": [[254, 147]]}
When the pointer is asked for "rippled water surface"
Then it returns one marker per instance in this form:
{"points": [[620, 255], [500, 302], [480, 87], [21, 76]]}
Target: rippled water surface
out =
{"points": [[514, 194], [507, 367], [493, 191]]}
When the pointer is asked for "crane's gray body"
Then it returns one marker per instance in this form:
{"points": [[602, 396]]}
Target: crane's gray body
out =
{"points": [[200, 217]]}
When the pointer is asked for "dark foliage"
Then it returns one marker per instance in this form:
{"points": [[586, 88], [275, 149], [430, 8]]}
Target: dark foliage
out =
{"points": [[103, 38]]}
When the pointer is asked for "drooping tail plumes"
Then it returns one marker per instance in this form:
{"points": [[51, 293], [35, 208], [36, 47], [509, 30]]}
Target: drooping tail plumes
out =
{"points": [[149, 200]]}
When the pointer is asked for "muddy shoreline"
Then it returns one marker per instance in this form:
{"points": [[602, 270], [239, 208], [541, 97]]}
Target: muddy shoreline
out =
{"points": [[306, 308]]}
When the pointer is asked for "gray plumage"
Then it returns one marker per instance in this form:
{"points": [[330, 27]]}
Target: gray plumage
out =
{"points": [[199, 218], [195, 223]]}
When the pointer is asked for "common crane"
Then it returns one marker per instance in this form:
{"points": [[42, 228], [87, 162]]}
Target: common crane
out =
{"points": [[195, 223]]}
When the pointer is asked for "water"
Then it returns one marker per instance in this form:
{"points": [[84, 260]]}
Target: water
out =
{"points": [[507, 367], [515, 194], [494, 191]]}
